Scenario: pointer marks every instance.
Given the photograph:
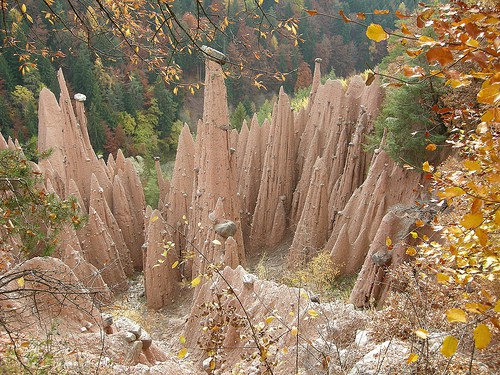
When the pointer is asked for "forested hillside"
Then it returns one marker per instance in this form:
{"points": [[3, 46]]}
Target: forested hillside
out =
{"points": [[128, 103]]}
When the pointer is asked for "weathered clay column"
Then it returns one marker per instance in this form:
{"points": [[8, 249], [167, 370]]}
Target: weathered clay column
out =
{"points": [[215, 173]]}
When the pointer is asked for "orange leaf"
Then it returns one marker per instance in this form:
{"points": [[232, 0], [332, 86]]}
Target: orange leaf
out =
{"points": [[482, 236], [419, 223], [405, 30], [477, 206], [376, 32], [312, 12], [400, 15], [431, 147], [412, 72], [361, 16], [344, 17], [380, 11], [440, 54]]}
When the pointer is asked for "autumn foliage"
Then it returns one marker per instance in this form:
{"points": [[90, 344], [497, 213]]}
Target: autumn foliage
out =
{"points": [[461, 44]]}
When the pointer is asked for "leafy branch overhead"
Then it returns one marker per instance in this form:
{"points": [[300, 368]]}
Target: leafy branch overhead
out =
{"points": [[154, 34]]}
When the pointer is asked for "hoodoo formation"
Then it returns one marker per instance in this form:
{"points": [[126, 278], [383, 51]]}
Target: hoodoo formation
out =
{"points": [[302, 179], [111, 194]]}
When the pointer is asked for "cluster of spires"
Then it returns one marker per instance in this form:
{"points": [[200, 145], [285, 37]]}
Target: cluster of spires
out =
{"points": [[302, 178]]}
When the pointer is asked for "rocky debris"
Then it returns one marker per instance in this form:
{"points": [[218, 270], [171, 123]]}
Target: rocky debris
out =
{"points": [[273, 319]]}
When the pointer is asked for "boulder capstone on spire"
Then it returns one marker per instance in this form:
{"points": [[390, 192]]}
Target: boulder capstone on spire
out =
{"points": [[215, 174]]}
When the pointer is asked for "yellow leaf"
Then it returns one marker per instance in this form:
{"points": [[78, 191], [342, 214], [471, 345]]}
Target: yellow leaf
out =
{"points": [[426, 41], [451, 192], [269, 319], [482, 336], [426, 167], [472, 220], [153, 219], [182, 353], [456, 315], [196, 281], [472, 165], [443, 278], [497, 307], [497, 217], [414, 234], [411, 251], [476, 308], [412, 358], [313, 313], [182, 339], [294, 331], [175, 90], [23, 8], [285, 350], [20, 282], [482, 236], [489, 93], [175, 264], [422, 333], [449, 347], [376, 32], [388, 241]]}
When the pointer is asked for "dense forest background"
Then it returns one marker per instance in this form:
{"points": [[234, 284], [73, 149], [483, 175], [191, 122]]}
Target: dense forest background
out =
{"points": [[131, 107]]}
